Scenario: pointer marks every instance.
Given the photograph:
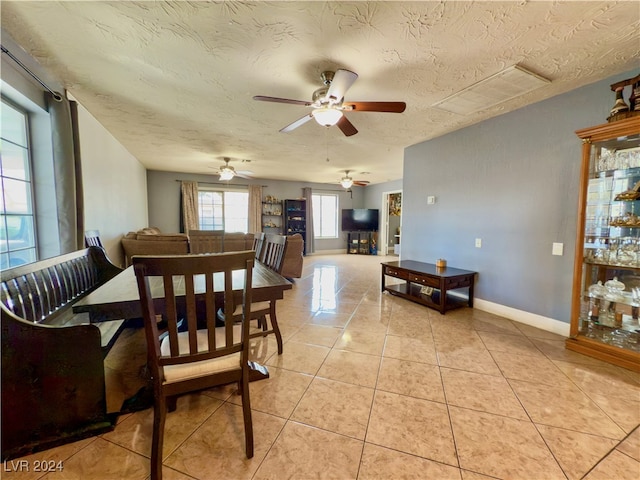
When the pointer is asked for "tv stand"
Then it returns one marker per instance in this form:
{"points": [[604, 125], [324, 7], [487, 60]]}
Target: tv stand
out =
{"points": [[361, 243]]}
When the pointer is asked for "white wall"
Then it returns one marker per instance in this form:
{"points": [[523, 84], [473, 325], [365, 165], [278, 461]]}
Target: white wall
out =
{"points": [[114, 184]]}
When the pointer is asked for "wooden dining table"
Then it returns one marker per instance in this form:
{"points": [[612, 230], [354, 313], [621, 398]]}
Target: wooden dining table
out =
{"points": [[119, 299]]}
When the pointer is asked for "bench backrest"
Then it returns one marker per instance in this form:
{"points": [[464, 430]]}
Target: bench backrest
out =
{"points": [[39, 291]]}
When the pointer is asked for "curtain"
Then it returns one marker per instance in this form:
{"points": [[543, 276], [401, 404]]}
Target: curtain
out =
{"points": [[309, 240], [255, 208], [189, 194], [67, 172]]}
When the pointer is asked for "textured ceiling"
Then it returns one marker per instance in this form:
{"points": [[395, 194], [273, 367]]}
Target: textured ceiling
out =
{"points": [[174, 81]]}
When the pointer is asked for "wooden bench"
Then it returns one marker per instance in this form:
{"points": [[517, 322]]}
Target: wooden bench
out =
{"points": [[53, 380]]}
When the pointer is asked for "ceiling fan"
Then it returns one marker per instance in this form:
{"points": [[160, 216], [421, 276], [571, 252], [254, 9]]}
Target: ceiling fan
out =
{"points": [[347, 182], [329, 106], [227, 172]]}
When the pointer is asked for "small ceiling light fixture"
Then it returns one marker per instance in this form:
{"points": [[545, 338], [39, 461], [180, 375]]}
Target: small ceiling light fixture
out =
{"points": [[227, 173], [327, 116], [346, 182]]}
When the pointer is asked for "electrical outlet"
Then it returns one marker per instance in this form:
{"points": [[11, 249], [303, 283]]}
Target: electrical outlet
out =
{"points": [[478, 243], [431, 200]]}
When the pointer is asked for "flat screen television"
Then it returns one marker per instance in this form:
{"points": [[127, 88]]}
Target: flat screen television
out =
{"points": [[360, 220]]}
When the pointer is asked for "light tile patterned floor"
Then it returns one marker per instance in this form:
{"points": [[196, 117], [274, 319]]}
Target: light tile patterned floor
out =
{"points": [[371, 386]]}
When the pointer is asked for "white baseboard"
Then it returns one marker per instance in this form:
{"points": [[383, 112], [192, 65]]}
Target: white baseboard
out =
{"points": [[528, 318], [329, 252]]}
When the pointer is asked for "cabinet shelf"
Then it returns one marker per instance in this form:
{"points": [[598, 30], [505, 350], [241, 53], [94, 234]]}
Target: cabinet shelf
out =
{"points": [[612, 265], [361, 243], [271, 211]]}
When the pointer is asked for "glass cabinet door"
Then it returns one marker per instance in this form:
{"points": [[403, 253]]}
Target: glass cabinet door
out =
{"points": [[610, 303]]}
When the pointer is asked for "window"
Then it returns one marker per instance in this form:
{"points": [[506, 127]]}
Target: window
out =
{"points": [[223, 210], [17, 237], [325, 215]]}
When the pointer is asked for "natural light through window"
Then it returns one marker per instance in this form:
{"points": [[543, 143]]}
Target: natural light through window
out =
{"points": [[17, 238], [223, 210], [325, 215]]}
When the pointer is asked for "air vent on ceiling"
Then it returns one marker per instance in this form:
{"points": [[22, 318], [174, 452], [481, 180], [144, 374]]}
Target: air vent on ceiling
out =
{"points": [[505, 85]]}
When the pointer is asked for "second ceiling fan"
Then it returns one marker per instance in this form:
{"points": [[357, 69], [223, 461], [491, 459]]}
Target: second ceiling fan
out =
{"points": [[329, 106], [347, 182]]}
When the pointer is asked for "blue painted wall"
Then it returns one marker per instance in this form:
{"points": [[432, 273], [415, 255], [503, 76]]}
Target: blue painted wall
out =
{"points": [[513, 182]]}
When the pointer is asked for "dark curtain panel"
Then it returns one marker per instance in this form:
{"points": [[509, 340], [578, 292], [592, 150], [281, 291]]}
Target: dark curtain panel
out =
{"points": [[66, 168], [78, 170], [307, 193]]}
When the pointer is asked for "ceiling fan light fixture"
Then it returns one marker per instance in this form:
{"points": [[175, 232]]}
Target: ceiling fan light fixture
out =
{"points": [[346, 182], [226, 173], [327, 116]]}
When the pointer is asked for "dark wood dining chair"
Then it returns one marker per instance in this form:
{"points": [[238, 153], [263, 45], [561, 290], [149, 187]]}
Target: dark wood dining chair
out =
{"points": [[92, 239], [258, 241], [272, 256], [203, 356], [273, 251]]}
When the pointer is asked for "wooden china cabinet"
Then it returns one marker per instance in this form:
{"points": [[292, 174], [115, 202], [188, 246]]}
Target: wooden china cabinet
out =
{"points": [[606, 285]]}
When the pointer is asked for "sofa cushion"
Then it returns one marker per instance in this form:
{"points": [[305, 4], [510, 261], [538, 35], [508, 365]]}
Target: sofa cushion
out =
{"points": [[150, 231], [164, 237]]}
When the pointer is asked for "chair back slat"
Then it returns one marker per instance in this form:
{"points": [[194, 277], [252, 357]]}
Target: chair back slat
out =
{"points": [[258, 241], [36, 297], [192, 319], [170, 313], [211, 311], [189, 296]]}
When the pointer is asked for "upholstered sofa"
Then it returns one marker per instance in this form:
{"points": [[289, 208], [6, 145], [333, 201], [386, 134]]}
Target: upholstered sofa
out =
{"points": [[151, 241]]}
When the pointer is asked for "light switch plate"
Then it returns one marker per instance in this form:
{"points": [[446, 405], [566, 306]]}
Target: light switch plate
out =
{"points": [[557, 248], [431, 200], [478, 243]]}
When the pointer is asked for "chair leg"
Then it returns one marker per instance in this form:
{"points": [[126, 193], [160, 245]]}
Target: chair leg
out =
{"points": [[246, 414], [274, 326], [159, 417], [172, 404]]}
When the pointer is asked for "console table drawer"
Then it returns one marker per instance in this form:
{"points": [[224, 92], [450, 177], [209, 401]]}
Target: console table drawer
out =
{"points": [[392, 272], [459, 282], [428, 281]]}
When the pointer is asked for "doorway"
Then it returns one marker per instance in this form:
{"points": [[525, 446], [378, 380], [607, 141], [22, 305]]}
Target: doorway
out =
{"points": [[390, 233]]}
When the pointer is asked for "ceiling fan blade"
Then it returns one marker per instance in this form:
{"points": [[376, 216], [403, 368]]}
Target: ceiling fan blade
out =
{"points": [[361, 183], [282, 100], [297, 123], [391, 107], [342, 81], [346, 126]]}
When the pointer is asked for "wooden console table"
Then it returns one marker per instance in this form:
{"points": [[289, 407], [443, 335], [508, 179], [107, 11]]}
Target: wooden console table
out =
{"points": [[427, 284]]}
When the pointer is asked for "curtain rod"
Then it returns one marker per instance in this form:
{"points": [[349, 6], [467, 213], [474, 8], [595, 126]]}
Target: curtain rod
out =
{"points": [[220, 183], [56, 96]]}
